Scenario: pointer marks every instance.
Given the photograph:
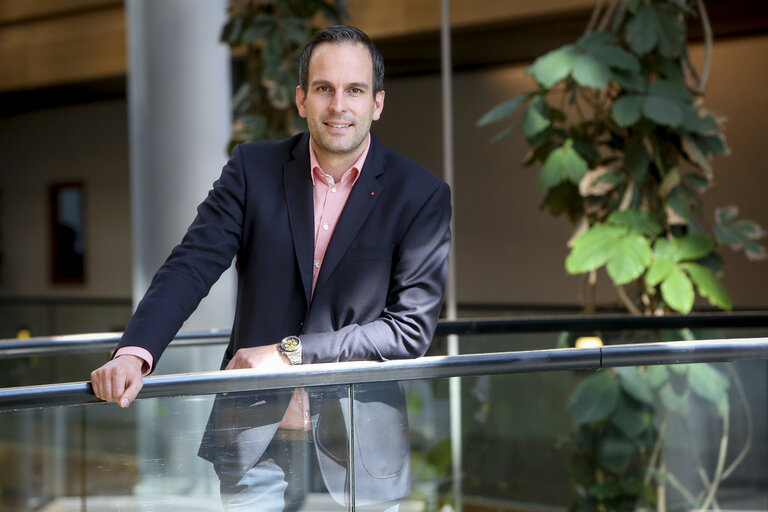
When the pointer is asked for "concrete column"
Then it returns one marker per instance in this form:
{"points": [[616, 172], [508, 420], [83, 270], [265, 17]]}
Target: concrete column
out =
{"points": [[179, 91]]}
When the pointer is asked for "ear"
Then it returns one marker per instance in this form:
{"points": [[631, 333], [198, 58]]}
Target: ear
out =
{"points": [[378, 105], [300, 98]]}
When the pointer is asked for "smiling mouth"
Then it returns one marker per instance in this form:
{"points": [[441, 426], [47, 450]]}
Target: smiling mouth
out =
{"points": [[338, 125]]}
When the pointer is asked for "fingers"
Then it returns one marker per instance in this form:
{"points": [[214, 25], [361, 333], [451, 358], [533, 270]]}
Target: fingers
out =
{"points": [[266, 358], [129, 395], [119, 380]]}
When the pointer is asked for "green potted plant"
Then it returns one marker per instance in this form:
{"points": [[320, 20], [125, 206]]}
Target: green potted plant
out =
{"points": [[617, 126], [269, 35]]}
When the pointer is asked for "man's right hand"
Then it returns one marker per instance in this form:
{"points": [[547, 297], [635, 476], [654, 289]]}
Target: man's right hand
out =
{"points": [[120, 380]]}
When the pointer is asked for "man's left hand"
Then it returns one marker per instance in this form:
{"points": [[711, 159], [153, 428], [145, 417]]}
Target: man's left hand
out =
{"points": [[267, 358]]}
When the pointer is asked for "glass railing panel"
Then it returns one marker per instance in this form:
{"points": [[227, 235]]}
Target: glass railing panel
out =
{"points": [[516, 341], [689, 436], [50, 317], [172, 454]]}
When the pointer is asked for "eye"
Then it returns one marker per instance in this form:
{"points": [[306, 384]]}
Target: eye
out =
{"points": [[323, 88], [356, 91]]}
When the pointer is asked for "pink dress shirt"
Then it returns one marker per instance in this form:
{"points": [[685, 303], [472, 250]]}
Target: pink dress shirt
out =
{"points": [[329, 200]]}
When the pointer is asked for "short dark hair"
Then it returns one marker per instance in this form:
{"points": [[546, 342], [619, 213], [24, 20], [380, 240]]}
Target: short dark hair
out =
{"points": [[342, 34]]}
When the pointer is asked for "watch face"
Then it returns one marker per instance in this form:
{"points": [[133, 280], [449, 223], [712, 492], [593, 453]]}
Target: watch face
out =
{"points": [[290, 344]]}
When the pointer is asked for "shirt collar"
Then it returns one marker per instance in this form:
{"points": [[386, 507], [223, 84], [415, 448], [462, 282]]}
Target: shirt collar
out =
{"points": [[356, 167]]}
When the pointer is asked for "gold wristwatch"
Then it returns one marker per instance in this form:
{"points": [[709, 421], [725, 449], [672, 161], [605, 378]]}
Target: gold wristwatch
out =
{"points": [[291, 347]]}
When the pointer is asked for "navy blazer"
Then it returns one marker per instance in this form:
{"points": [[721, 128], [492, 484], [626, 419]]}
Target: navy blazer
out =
{"points": [[377, 297]]}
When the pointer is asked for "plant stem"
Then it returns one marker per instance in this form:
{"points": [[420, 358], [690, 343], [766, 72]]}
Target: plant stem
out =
{"points": [[607, 16], [661, 487], [750, 426], [627, 301], [657, 446], [707, 28], [680, 487], [595, 16], [718, 476]]}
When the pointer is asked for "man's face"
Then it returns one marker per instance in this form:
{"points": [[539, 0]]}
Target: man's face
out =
{"points": [[339, 104]]}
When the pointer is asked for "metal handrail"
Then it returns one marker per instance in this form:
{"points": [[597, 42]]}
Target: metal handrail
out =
{"points": [[104, 342], [336, 374], [97, 342]]}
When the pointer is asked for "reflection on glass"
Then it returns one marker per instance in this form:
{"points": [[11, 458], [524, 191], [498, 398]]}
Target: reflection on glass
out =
{"points": [[267, 460], [617, 439]]}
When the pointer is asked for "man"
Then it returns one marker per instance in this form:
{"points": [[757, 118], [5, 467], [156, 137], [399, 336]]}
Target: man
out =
{"points": [[342, 249]]}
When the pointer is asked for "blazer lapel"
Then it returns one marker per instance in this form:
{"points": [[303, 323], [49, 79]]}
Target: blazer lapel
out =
{"points": [[298, 196], [360, 203]]}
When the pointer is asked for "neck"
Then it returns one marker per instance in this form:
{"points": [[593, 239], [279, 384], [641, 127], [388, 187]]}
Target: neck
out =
{"points": [[336, 164]]}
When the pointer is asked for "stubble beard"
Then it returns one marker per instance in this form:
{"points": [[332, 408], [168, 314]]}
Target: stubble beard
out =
{"points": [[344, 146]]}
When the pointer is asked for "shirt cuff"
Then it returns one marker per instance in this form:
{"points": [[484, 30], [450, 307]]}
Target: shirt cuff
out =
{"points": [[141, 354]]}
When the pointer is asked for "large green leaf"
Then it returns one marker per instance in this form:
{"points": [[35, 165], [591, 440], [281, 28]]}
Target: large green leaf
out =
{"points": [[637, 221], [628, 109], [588, 71], [670, 181], [677, 291], [535, 119], [502, 110], [635, 82], [295, 29], [679, 404], [633, 382], [708, 285], [710, 385], [595, 39], [630, 418], [593, 248], [740, 235], [563, 163], [263, 27], [677, 202], [663, 248], [697, 181], [692, 246], [615, 452], [594, 399], [615, 57], [636, 158], [694, 122], [658, 271], [672, 70], [656, 376], [630, 257], [671, 90], [662, 110], [553, 66], [671, 30], [642, 31], [710, 144]]}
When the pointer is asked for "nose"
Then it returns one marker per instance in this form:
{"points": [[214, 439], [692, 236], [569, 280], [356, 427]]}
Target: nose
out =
{"points": [[337, 102]]}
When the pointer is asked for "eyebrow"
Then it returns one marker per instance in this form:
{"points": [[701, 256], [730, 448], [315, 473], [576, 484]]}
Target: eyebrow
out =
{"points": [[358, 85]]}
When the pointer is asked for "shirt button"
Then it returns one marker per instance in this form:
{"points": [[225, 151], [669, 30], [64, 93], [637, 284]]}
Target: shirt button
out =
{"points": [[317, 264], [325, 227], [333, 189]]}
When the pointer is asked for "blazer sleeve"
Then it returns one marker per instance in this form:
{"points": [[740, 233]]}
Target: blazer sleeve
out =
{"points": [[405, 327], [205, 252]]}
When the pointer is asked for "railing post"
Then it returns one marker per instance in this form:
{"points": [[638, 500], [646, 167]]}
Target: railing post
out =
{"points": [[351, 446]]}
